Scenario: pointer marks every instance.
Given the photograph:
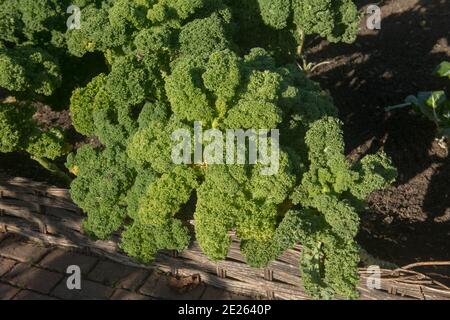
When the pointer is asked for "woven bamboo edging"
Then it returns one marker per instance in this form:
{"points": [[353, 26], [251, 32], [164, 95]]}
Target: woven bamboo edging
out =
{"points": [[47, 214]]}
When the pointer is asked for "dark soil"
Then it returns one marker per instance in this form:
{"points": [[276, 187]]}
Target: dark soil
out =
{"points": [[410, 221], [47, 118]]}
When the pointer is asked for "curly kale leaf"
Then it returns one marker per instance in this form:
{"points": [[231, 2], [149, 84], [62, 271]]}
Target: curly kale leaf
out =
{"points": [[336, 20], [29, 69], [144, 241], [103, 179]]}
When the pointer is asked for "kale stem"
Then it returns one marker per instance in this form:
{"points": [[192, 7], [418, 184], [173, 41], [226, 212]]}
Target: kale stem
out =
{"points": [[399, 106], [300, 47], [46, 164]]}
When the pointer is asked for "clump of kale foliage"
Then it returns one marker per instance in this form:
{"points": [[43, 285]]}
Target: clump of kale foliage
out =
{"points": [[229, 64], [35, 66]]}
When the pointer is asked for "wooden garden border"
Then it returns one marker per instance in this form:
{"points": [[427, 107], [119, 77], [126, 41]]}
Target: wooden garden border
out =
{"points": [[47, 214]]}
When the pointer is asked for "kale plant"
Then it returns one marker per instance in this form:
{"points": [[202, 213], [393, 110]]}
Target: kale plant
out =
{"points": [[176, 63]]}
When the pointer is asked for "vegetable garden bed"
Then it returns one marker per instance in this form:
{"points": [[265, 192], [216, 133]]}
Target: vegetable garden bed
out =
{"points": [[47, 214]]}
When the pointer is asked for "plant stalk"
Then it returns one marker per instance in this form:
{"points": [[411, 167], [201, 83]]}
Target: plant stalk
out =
{"points": [[48, 165], [301, 45], [398, 106]]}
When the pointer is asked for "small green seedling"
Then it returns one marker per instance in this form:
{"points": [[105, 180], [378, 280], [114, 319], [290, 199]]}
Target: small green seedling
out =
{"points": [[435, 105]]}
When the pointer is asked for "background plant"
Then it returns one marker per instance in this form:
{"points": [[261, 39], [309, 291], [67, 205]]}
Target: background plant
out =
{"points": [[434, 105], [19, 132], [282, 27], [36, 67]]}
